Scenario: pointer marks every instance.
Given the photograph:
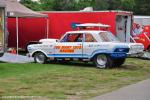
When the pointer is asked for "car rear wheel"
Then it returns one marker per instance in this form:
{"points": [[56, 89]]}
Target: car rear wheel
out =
{"points": [[40, 57], [103, 61]]}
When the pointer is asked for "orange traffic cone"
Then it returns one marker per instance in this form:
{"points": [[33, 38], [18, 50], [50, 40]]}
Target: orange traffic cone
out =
{"points": [[13, 51]]}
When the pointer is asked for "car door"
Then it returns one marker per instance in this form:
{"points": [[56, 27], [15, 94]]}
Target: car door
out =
{"points": [[70, 46], [89, 45]]}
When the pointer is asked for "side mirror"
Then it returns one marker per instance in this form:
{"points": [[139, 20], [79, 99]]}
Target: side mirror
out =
{"points": [[57, 40]]}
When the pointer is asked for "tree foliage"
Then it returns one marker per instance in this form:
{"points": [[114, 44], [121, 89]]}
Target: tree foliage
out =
{"points": [[47, 4], [140, 7], [31, 4], [62, 5]]}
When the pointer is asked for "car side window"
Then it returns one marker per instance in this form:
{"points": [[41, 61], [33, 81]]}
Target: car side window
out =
{"points": [[76, 37], [89, 38], [64, 39]]}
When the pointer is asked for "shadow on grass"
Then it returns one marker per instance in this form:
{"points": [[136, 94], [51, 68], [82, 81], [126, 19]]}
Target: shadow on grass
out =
{"points": [[74, 64], [129, 67], [91, 65]]}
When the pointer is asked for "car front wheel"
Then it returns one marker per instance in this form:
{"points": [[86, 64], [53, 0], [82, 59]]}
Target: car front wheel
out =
{"points": [[40, 57], [103, 61]]}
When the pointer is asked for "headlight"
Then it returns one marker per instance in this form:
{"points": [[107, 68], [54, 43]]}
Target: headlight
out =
{"points": [[29, 48], [122, 50]]}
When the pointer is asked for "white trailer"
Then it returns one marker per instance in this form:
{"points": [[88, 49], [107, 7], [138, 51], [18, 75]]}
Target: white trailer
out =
{"points": [[142, 20]]}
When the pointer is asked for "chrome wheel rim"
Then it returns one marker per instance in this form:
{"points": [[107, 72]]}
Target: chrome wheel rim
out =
{"points": [[40, 58], [101, 61]]}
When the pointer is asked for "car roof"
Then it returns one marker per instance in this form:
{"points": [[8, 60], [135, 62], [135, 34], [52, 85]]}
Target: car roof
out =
{"points": [[86, 31]]}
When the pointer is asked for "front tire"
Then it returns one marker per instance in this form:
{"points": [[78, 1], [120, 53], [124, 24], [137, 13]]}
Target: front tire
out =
{"points": [[103, 61], [40, 57]]}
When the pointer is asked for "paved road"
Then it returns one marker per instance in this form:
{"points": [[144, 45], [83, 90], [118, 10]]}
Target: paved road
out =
{"points": [[139, 91]]}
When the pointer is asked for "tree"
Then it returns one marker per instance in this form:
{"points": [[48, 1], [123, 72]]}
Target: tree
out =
{"points": [[101, 5], [34, 5], [127, 5], [47, 5], [142, 7], [59, 5], [64, 5], [84, 3], [114, 4]]}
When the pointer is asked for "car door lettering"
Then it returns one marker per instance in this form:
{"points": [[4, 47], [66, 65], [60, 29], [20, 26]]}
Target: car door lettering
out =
{"points": [[68, 49]]}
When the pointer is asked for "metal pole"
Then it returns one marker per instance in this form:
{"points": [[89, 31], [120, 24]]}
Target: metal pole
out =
{"points": [[47, 31], [17, 33], [132, 39]]}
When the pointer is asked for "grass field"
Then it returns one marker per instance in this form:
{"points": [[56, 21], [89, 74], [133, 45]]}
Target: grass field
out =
{"points": [[73, 81]]}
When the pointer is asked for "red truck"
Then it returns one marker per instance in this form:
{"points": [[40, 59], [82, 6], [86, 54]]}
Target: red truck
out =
{"points": [[33, 29]]}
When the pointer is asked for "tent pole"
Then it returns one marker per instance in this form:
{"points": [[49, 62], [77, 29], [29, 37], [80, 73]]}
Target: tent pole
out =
{"points": [[47, 31], [17, 33]]}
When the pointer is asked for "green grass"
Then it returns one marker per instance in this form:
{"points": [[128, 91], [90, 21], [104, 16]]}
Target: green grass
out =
{"points": [[68, 81]]}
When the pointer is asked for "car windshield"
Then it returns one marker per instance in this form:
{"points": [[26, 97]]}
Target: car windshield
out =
{"points": [[108, 37]]}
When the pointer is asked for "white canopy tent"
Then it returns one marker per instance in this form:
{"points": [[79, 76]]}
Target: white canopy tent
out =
{"points": [[16, 10]]}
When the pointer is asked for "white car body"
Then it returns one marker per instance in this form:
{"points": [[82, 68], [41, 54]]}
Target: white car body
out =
{"points": [[83, 49], [47, 41], [59, 49], [136, 49]]}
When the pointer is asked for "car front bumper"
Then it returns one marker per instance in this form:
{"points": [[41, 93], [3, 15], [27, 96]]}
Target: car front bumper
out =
{"points": [[140, 54]]}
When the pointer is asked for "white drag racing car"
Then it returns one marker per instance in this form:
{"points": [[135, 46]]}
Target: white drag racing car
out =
{"points": [[99, 47]]}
